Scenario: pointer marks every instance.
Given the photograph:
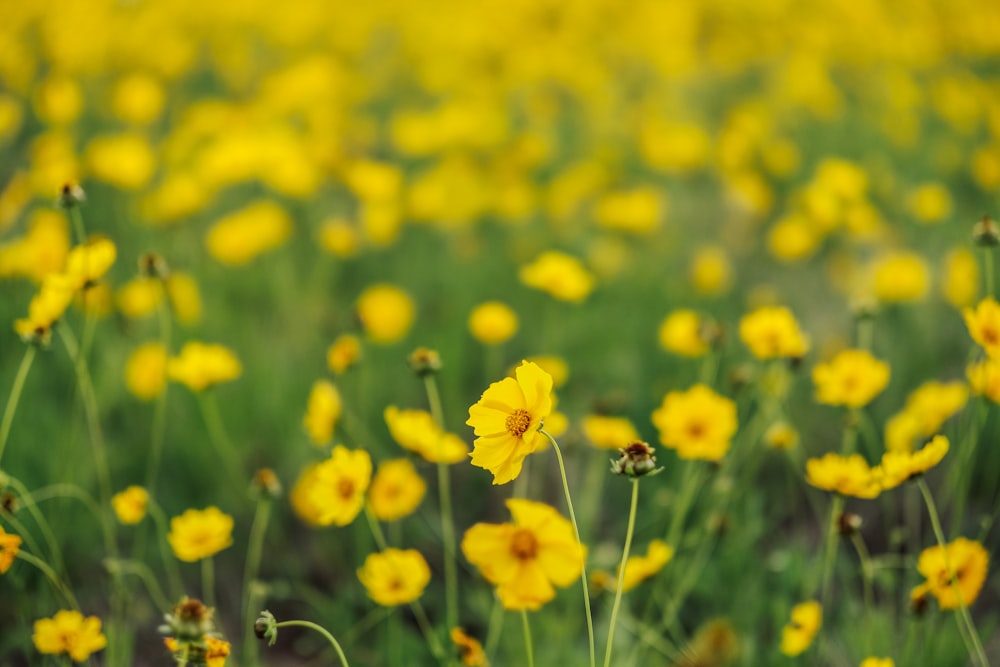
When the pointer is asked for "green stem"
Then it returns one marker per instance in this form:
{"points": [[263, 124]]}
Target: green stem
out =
{"points": [[74, 492], [208, 581], [826, 578], [51, 575], [21, 530], [427, 629], [158, 434], [78, 227], [323, 631], [527, 638], [866, 583], [621, 571], [376, 529], [988, 269], [15, 396], [255, 548], [169, 563], [495, 627], [692, 480], [142, 571], [217, 433], [576, 530], [30, 504]]}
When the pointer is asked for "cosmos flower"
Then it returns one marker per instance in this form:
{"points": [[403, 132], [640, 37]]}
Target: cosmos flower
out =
{"points": [[697, 423], [395, 576], [70, 633], [198, 534], [852, 378], [968, 562]]}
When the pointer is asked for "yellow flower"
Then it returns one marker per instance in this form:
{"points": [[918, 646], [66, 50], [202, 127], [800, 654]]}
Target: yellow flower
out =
{"points": [[70, 633], [322, 412], [637, 211], [968, 562], [58, 100], [984, 325], [926, 410], [493, 322], [396, 490], [240, 237], [681, 333], [126, 161], [333, 492], [900, 277], [559, 274], [609, 432], [711, 273], [554, 366], [10, 544], [198, 534], [395, 576], [524, 559], [640, 568], [470, 650], [45, 308], [137, 99], [506, 421], [416, 431], [798, 635], [209, 651], [201, 365], [87, 263], [339, 238], [216, 652], [386, 313], [139, 297], [185, 298], [929, 203], [984, 378], [781, 435], [301, 495], [846, 475], [852, 378], [343, 353], [899, 466], [698, 423], [146, 371], [877, 662], [41, 251], [960, 279], [793, 238], [130, 505], [772, 332]]}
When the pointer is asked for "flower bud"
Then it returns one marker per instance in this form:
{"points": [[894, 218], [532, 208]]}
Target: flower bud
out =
{"points": [[986, 233], [636, 460], [71, 195], [425, 361], [266, 627], [266, 484], [152, 265]]}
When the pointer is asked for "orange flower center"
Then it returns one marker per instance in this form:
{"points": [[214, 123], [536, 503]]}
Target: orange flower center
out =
{"points": [[696, 430], [990, 335], [518, 422], [345, 488], [524, 546]]}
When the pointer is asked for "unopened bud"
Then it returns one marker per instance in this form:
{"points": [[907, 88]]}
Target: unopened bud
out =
{"points": [[425, 361], [71, 195], [636, 460], [266, 483], [986, 232], [849, 524], [152, 265]]}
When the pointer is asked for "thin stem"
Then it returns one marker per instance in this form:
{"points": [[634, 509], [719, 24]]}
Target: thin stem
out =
{"points": [[576, 530], [621, 571], [527, 638], [867, 573], [826, 578], [427, 629], [208, 581], [31, 504], [169, 564], [495, 627], [158, 434], [51, 575], [255, 547], [142, 571], [217, 433], [78, 227], [988, 269], [15, 396], [323, 631], [376, 529], [20, 529]]}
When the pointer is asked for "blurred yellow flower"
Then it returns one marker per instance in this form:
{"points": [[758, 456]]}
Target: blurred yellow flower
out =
{"points": [[386, 313], [793, 239], [333, 492], [607, 432], [711, 272], [929, 203], [798, 634], [87, 263], [493, 323], [681, 332], [339, 238], [10, 544], [343, 353], [637, 211], [562, 276], [240, 237], [126, 161], [146, 370], [185, 298], [139, 297], [395, 576], [137, 99], [470, 650], [984, 378], [846, 475], [640, 568], [524, 559], [877, 662], [416, 431], [898, 466], [41, 250], [396, 491], [45, 308], [927, 408], [781, 435], [901, 277], [322, 411], [70, 633], [58, 99], [130, 505], [852, 378], [200, 365], [984, 325], [506, 420], [301, 495], [968, 562], [698, 423], [198, 534], [771, 332], [960, 278]]}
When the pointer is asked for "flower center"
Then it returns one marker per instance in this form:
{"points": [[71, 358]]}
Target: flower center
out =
{"points": [[345, 488], [517, 422], [696, 430], [524, 546]]}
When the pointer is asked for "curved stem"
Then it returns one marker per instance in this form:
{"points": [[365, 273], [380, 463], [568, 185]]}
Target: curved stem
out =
{"points": [[376, 529], [866, 582], [527, 638], [141, 570], [323, 631], [255, 547], [74, 492], [31, 504], [427, 629], [621, 571], [51, 575], [15, 396]]}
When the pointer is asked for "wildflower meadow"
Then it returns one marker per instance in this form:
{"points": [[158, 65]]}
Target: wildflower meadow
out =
{"points": [[522, 333]]}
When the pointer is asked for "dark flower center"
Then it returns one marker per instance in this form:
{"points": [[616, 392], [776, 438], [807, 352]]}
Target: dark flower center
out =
{"points": [[517, 422]]}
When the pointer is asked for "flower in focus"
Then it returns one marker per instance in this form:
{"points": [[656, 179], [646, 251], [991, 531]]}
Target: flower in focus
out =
{"points": [[852, 378], [386, 313], [524, 559], [198, 534], [146, 371], [984, 325], [10, 544], [640, 568], [322, 411], [343, 353], [130, 505], [506, 420], [242, 236], [901, 277], [200, 365], [681, 333], [492, 323], [698, 423], [396, 490], [846, 475], [609, 432], [416, 431], [800, 631], [968, 562], [333, 492], [70, 633], [395, 576], [562, 276], [771, 332], [899, 466], [470, 650]]}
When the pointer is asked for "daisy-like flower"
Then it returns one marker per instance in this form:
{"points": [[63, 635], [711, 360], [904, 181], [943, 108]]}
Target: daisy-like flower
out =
{"points": [[395, 576], [927, 408], [771, 332], [87, 263], [493, 323], [527, 558], [198, 534], [852, 378], [333, 492], [798, 634], [396, 490], [984, 325], [846, 475], [899, 466], [968, 562], [561, 275], [470, 650], [9, 546], [416, 431], [322, 411], [200, 366], [507, 418], [386, 313], [130, 505], [698, 423], [681, 332], [70, 633]]}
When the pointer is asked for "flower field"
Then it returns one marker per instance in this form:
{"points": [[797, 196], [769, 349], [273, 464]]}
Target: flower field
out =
{"points": [[655, 333]]}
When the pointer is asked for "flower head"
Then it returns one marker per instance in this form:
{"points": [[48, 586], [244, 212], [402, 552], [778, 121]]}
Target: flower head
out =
{"points": [[87, 263], [343, 353], [238, 238], [9, 546], [901, 277], [396, 490], [846, 475], [506, 421], [965, 560], [559, 274], [386, 313], [984, 378], [333, 492], [800, 631], [640, 568], [198, 534], [852, 378], [682, 332], [698, 423], [130, 505], [983, 323], [416, 431], [146, 370], [771, 332], [395, 576], [200, 366], [70, 633], [470, 650], [322, 411], [899, 466], [493, 322]]}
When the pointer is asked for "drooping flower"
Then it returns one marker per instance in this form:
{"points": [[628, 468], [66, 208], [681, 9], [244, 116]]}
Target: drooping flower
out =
{"points": [[852, 378], [70, 633], [798, 634], [470, 651], [395, 576], [146, 371], [771, 332], [697, 423], [416, 431], [333, 492], [198, 534], [386, 313], [200, 365], [681, 332], [562, 276], [130, 505], [846, 475], [983, 323], [967, 561], [396, 490], [10, 545], [493, 322], [506, 421], [322, 412], [527, 558], [608, 432]]}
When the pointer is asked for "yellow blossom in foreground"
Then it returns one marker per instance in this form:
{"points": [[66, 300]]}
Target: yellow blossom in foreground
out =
{"points": [[506, 420], [527, 558], [343, 353], [800, 631], [396, 490], [9, 546], [492, 323], [146, 370], [877, 662], [698, 423], [852, 378], [322, 411], [130, 505], [554, 366], [416, 431], [901, 277], [139, 297], [640, 568], [984, 378], [470, 650], [87, 263], [983, 323], [559, 274], [899, 466], [968, 562], [185, 298], [240, 237], [711, 272], [198, 534], [846, 475], [609, 432], [681, 333], [771, 332], [200, 365], [395, 576], [333, 492], [386, 313], [70, 633]]}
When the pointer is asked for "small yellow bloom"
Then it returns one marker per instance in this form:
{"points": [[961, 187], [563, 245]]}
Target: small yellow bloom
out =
{"points": [[698, 423], [58, 99], [781, 435], [899, 466], [130, 505], [322, 412], [126, 161], [470, 650], [681, 333], [343, 353], [242, 236], [70, 633], [416, 431], [333, 492], [967, 561], [794, 238], [506, 421], [771, 332], [200, 365], [609, 432], [139, 297], [339, 238], [640, 568], [137, 99], [386, 313], [10, 544], [185, 298], [960, 278], [798, 635], [711, 272], [396, 490], [927, 408], [87, 263], [846, 475], [901, 277], [526, 558], [493, 322], [562, 276], [45, 308], [929, 203], [877, 662], [146, 370], [984, 378], [984, 325], [198, 534], [637, 211], [852, 378], [395, 576]]}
